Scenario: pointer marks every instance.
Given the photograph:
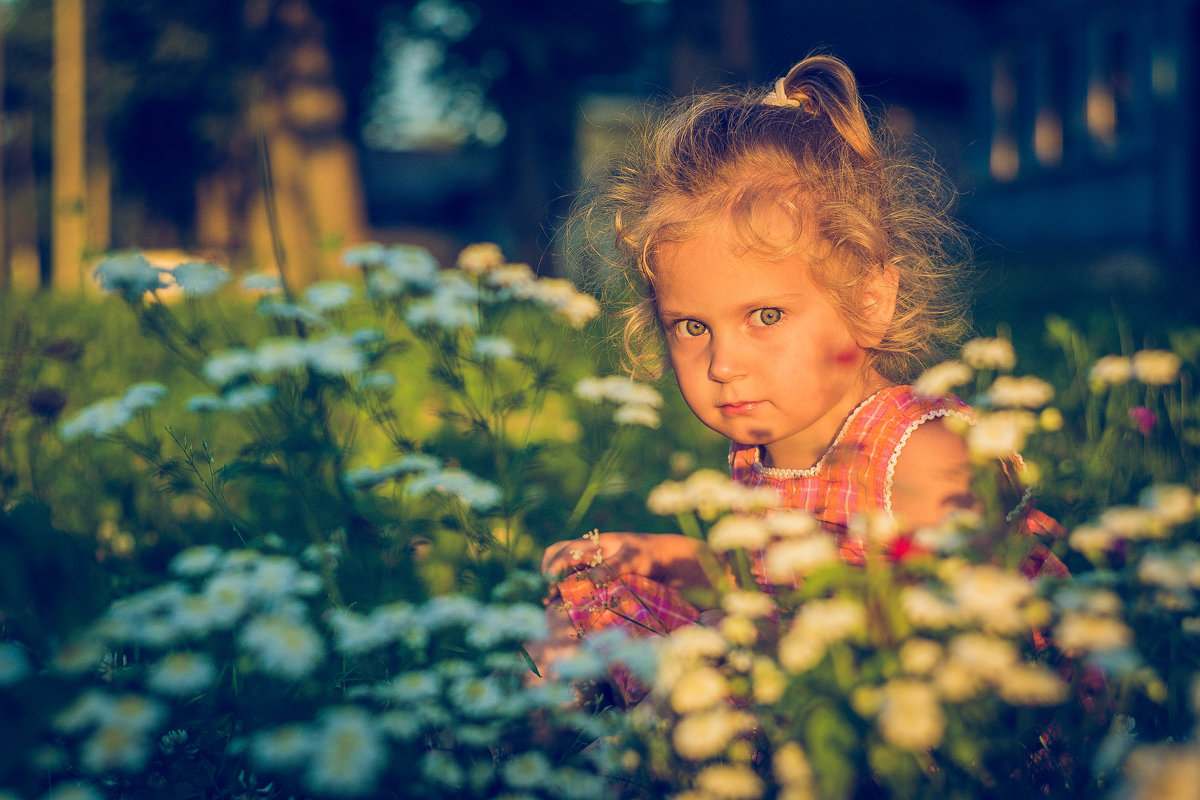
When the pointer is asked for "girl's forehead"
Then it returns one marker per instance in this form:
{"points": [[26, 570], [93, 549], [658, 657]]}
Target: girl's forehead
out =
{"points": [[771, 228], [710, 265], [724, 242]]}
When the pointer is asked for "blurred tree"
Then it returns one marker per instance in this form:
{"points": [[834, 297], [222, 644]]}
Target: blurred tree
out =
{"points": [[541, 54], [68, 211], [180, 96]]}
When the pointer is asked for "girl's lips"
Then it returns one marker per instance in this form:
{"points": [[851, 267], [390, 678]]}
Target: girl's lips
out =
{"points": [[738, 409]]}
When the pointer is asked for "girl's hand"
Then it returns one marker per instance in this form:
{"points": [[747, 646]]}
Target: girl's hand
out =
{"points": [[669, 558]]}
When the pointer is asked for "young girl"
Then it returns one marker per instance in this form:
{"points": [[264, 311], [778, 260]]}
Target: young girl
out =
{"points": [[798, 276]]}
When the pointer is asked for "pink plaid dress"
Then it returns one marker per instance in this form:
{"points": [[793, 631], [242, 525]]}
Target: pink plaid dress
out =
{"points": [[854, 476]]}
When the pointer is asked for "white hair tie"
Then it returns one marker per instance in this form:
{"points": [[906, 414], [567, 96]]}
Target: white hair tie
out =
{"points": [[779, 97]]}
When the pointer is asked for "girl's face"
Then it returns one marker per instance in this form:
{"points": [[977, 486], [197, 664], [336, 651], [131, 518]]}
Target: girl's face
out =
{"points": [[760, 353]]}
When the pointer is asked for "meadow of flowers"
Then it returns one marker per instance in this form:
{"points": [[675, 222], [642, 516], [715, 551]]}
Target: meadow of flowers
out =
{"points": [[280, 543]]}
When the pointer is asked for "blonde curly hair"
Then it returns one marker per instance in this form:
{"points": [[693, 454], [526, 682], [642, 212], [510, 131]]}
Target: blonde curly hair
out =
{"points": [[807, 149]]}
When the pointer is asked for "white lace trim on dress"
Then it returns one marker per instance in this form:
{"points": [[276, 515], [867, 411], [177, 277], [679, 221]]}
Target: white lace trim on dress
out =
{"points": [[808, 472]]}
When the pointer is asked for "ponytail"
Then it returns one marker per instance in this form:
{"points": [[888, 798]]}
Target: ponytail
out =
{"points": [[824, 85]]}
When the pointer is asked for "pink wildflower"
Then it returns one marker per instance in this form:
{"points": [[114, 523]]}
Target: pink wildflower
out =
{"points": [[1144, 418]]}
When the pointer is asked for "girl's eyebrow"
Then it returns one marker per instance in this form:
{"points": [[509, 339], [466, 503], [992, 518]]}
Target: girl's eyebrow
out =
{"points": [[744, 308]]}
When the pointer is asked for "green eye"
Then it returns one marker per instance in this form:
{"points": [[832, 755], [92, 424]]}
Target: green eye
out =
{"points": [[691, 327], [768, 316]]}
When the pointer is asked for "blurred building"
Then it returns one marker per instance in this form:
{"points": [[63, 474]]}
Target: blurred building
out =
{"points": [[1068, 125], [1088, 114]]}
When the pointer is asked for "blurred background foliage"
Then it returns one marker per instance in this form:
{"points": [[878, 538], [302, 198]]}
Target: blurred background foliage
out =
{"points": [[1066, 127]]}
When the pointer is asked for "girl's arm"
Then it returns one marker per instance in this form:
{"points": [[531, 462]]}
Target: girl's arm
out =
{"points": [[932, 477], [669, 558]]}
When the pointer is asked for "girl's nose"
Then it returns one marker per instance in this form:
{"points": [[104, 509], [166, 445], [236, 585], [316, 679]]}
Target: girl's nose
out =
{"points": [[726, 361]]}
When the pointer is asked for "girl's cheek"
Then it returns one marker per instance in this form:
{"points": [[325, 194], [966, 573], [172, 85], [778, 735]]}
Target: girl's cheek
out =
{"points": [[848, 357]]}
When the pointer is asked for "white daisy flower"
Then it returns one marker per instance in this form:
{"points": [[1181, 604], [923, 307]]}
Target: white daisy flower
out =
{"points": [[283, 748], [448, 313], [698, 689], [197, 278], [439, 767], [495, 624], [197, 560], [475, 696], [364, 255], [348, 753], [939, 379], [617, 389], [530, 770], [986, 656], [451, 609], [645, 416], [984, 353], [413, 266], [356, 633], [91, 708], [282, 646], [999, 434], [129, 274], [244, 397], [830, 620], [750, 604], [480, 257], [729, 782], [283, 310], [1110, 370], [580, 309], [411, 687], [280, 354], [993, 597], [136, 712], [228, 365], [262, 282], [1030, 685], [737, 532], [328, 295], [141, 396], [1172, 504], [471, 490], [228, 595], [98, 419], [335, 355], [81, 654], [1157, 367], [496, 348], [705, 735], [182, 674], [204, 403], [911, 717], [1024, 392], [512, 276], [400, 725], [789, 559], [115, 748]]}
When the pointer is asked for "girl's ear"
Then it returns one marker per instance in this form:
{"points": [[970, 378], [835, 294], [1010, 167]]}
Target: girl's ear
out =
{"points": [[879, 304]]}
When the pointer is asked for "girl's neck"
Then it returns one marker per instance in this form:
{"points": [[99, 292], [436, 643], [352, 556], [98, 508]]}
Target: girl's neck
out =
{"points": [[800, 454]]}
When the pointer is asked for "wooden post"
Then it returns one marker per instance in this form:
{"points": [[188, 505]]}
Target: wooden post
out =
{"points": [[69, 179], [5, 263]]}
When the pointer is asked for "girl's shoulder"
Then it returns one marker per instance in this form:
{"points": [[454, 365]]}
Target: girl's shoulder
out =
{"points": [[902, 405], [877, 430], [891, 418]]}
